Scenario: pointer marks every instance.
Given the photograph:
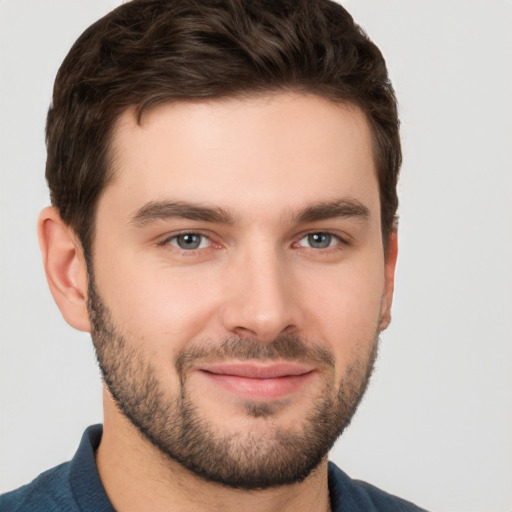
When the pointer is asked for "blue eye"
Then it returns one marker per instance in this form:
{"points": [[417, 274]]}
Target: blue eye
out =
{"points": [[190, 241], [319, 240]]}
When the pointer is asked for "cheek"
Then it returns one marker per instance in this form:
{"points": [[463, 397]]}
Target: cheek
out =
{"points": [[343, 307], [161, 308]]}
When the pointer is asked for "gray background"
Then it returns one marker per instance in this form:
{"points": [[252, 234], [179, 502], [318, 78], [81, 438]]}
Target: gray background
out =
{"points": [[436, 424]]}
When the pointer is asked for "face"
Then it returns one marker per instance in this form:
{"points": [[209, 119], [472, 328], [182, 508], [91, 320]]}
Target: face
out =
{"points": [[239, 282]]}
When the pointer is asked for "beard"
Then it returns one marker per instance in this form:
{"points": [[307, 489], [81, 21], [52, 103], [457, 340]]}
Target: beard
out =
{"points": [[173, 423]]}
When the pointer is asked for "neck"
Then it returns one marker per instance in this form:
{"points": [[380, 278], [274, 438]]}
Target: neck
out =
{"points": [[137, 476]]}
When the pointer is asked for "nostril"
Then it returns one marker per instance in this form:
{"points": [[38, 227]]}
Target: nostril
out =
{"points": [[244, 332], [264, 335]]}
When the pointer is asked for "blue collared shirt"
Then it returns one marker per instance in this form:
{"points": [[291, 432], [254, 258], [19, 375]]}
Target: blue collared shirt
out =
{"points": [[75, 486]]}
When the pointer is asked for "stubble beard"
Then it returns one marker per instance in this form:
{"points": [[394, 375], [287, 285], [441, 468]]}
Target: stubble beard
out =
{"points": [[243, 460]]}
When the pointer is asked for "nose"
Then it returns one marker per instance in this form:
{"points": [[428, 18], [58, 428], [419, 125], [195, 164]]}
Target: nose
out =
{"points": [[261, 301]]}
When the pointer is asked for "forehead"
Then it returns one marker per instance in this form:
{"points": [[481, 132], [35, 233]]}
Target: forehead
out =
{"points": [[255, 154]]}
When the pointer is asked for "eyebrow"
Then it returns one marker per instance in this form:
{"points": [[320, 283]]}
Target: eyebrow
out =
{"points": [[343, 208], [165, 210]]}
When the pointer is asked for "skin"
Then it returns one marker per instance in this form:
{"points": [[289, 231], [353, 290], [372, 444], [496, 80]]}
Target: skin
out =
{"points": [[264, 160]]}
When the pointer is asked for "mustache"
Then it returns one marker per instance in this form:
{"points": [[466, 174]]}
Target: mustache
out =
{"points": [[287, 347]]}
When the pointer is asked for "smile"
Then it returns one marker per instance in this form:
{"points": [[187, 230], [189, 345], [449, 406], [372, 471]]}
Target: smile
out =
{"points": [[256, 381]]}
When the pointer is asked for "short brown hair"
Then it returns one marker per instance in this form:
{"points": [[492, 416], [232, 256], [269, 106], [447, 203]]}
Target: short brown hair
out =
{"points": [[149, 52]]}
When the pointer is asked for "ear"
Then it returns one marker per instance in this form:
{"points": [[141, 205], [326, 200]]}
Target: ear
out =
{"points": [[389, 279], [65, 268]]}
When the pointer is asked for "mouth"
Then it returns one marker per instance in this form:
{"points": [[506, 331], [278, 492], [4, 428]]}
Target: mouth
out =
{"points": [[258, 381]]}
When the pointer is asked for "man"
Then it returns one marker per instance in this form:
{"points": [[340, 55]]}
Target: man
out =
{"points": [[223, 182]]}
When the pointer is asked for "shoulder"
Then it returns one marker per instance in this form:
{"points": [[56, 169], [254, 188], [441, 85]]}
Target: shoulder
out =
{"points": [[70, 487], [354, 495], [49, 492]]}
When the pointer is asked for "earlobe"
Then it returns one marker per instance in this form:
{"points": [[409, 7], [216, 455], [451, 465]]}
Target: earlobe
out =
{"points": [[389, 277], [65, 268]]}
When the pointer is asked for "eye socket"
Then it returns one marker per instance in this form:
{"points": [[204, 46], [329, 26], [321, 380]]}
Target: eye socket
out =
{"points": [[189, 241], [319, 240]]}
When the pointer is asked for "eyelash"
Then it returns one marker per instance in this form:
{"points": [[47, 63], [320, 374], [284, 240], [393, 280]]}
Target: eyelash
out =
{"points": [[167, 242], [340, 244]]}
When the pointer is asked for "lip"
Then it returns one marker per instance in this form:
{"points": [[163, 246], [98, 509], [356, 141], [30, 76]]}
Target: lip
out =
{"points": [[258, 381]]}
